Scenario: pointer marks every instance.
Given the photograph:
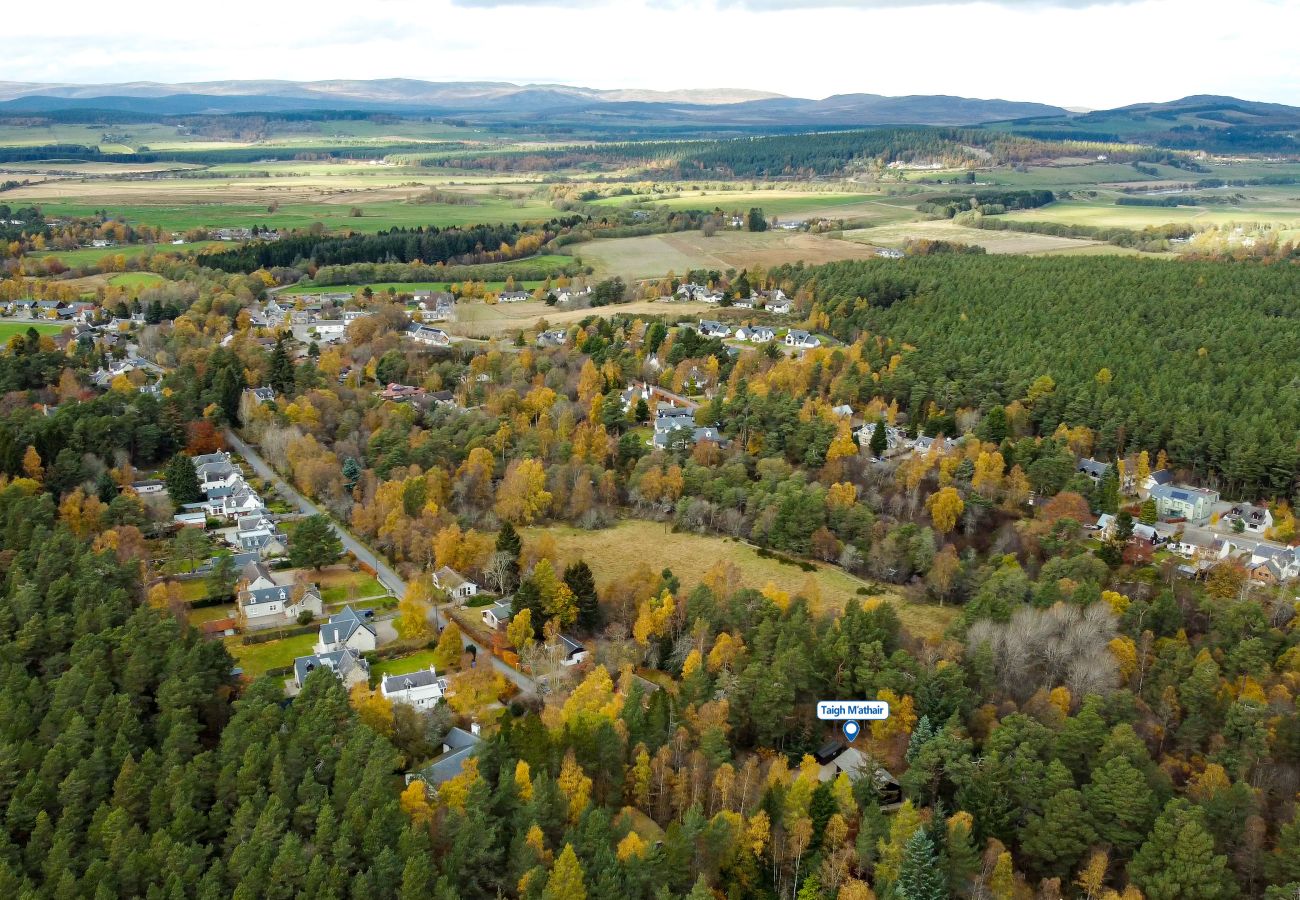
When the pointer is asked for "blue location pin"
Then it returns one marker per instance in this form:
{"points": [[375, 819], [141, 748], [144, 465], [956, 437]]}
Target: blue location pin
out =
{"points": [[851, 730]]}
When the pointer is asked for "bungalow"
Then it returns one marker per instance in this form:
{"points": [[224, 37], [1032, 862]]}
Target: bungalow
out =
{"points": [[835, 758], [555, 337], [346, 630], [889, 253], [756, 334], [191, 518], [574, 652], [1175, 501], [424, 334], [457, 746], [442, 398], [844, 411], [690, 291], [455, 584], [745, 302], [422, 689], [796, 338], [431, 300], [513, 296], [1254, 519], [684, 436], [498, 615], [149, 486], [348, 666], [567, 294], [780, 307], [400, 393], [712, 329]]}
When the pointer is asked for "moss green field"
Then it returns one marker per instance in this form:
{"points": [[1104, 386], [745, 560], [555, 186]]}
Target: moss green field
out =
{"points": [[9, 329]]}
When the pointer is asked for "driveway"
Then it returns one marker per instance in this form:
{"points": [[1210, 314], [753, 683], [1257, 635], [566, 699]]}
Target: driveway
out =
{"points": [[383, 572]]}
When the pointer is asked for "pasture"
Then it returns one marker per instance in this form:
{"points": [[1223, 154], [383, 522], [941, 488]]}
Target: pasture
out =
{"points": [[652, 256], [616, 552], [136, 280], [992, 241], [89, 256]]}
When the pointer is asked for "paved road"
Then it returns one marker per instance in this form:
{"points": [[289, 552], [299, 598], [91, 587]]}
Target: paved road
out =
{"points": [[384, 572]]}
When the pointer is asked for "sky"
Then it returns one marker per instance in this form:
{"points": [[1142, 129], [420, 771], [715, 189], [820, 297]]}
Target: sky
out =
{"points": [[1075, 53]]}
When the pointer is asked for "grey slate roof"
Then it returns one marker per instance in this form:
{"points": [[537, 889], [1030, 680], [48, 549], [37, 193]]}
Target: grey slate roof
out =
{"points": [[340, 662], [342, 625]]}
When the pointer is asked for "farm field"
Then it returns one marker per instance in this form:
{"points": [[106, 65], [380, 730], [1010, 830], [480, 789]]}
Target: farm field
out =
{"points": [[690, 556], [479, 320], [256, 659], [654, 255], [1274, 209], [787, 205], [553, 261], [8, 329], [992, 241], [88, 256]]}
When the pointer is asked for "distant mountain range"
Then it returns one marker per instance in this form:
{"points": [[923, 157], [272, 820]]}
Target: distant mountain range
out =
{"points": [[490, 102]]}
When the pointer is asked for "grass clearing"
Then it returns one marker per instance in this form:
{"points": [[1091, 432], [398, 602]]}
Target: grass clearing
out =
{"points": [[256, 659], [137, 279], [654, 255], [616, 552], [89, 256], [402, 665], [9, 329], [341, 585]]}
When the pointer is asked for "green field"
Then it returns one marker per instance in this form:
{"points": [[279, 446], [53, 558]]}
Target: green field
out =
{"points": [[552, 261], [690, 556], [9, 329], [136, 279], [257, 658], [421, 659], [786, 205], [376, 215], [88, 256]]}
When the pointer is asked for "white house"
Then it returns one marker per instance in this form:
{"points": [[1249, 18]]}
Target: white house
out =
{"points": [[780, 307], [329, 327], [1254, 519], [567, 294], [346, 630], [424, 334], [802, 339], [712, 329], [422, 689], [216, 470], [498, 615], [149, 486], [264, 599], [455, 584], [756, 334], [513, 296]]}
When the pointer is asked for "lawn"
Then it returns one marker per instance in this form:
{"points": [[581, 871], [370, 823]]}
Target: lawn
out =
{"points": [[210, 614], [420, 659], [616, 552], [256, 659], [9, 329], [339, 586]]}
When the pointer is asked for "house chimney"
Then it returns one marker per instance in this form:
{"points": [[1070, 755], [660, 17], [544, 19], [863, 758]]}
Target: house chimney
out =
{"points": [[474, 728]]}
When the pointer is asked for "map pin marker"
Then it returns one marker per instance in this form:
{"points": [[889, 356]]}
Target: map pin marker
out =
{"points": [[851, 730]]}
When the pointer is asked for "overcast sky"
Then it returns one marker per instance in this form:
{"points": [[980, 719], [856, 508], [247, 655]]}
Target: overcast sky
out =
{"points": [[1065, 52]]}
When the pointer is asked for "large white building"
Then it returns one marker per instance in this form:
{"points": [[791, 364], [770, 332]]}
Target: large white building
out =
{"points": [[421, 689]]}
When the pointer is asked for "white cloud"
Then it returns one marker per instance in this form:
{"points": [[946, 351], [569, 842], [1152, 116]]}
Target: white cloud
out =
{"points": [[1065, 52]]}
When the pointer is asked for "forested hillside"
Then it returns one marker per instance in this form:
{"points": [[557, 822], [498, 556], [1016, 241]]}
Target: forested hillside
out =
{"points": [[1196, 358]]}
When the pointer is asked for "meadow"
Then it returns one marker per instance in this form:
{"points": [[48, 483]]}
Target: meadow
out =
{"points": [[478, 320], [89, 256], [136, 280], [690, 556], [653, 255]]}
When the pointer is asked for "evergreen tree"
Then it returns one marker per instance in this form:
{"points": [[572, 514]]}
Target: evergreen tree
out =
{"points": [[314, 543], [281, 375], [921, 877], [566, 879], [1178, 861], [879, 439], [182, 481], [582, 582]]}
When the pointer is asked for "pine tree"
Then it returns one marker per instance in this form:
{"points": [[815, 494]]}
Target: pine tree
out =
{"points": [[182, 481], [921, 877], [314, 543], [1178, 861], [879, 439], [281, 374], [580, 580]]}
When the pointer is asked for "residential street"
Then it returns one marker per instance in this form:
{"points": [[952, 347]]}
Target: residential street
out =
{"points": [[383, 572]]}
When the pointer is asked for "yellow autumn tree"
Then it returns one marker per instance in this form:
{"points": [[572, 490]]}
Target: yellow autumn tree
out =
{"points": [[575, 785], [522, 496], [32, 467], [946, 507]]}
